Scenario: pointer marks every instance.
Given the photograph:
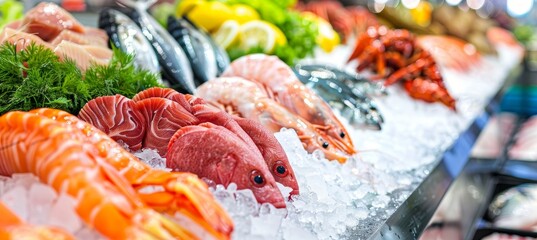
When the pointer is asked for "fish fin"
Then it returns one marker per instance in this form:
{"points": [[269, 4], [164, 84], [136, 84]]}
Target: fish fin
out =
{"points": [[226, 168]]}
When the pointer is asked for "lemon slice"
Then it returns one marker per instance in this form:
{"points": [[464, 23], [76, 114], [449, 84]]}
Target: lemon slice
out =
{"points": [[210, 15], [227, 34], [280, 37], [327, 39], [243, 13], [257, 33]]}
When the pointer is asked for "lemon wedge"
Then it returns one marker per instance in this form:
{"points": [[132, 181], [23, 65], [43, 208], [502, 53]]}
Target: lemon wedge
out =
{"points": [[280, 37], [228, 34], [243, 13], [260, 33], [327, 38], [210, 15]]}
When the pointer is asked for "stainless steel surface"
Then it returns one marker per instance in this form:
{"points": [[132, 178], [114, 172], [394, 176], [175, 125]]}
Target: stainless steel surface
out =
{"points": [[411, 218], [455, 168]]}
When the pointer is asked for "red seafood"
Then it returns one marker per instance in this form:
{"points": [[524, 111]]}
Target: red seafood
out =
{"points": [[251, 132], [165, 117], [281, 84], [119, 119], [12, 227], [396, 55], [246, 99], [66, 159], [156, 92], [47, 20], [345, 20], [224, 163], [272, 152], [176, 193], [50, 26]]}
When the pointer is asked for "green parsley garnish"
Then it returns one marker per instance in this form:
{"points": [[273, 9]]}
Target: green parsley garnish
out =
{"points": [[35, 78]]}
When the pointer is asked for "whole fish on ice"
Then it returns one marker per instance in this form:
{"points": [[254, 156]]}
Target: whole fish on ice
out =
{"points": [[175, 65], [197, 48], [361, 110], [125, 35], [165, 116]]}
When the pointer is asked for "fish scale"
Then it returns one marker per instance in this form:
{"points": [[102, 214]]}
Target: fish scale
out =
{"points": [[173, 61]]}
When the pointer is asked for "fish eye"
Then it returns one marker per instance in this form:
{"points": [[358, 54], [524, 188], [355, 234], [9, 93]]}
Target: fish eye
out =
{"points": [[257, 179], [279, 169], [342, 134]]}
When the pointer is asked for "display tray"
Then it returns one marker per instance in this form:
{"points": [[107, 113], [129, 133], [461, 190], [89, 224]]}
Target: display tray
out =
{"points": [[487, 231], [411, 218], [503, 182], [423, 148], [391, 189]]}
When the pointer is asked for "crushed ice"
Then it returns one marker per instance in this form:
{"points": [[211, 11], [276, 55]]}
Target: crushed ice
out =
{"points": [[39, 204], [152, 158], [352, 200], [336, 201]]}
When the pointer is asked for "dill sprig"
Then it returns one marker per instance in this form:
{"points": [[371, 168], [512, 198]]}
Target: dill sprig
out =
{"points": [[35, 77]]}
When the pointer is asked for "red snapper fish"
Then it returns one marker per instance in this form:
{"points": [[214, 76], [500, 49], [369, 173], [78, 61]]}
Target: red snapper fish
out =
{"points": [[251, 132], [153, 121], [226, 160]]}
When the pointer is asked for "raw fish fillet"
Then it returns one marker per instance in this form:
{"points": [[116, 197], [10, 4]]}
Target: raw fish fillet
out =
{"points": [[168, 93], [98, 35], [21, 39], [117, 117], [163, 118], [47, 20], [83, 55], [78, 38]]}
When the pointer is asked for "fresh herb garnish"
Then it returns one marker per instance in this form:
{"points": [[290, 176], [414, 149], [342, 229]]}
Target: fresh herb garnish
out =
{"points": [[35, 77]]}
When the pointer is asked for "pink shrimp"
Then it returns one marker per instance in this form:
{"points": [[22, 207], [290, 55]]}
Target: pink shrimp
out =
{"points": [[283, 86], [246, 99]]}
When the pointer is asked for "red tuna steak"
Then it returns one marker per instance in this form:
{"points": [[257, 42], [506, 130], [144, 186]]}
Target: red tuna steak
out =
{"points": [[117, 117], [163, 118]]}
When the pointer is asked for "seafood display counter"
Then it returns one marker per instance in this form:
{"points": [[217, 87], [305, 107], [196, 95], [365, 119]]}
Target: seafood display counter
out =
{"points": [[410, 166], [372, 160], [445, 186]]}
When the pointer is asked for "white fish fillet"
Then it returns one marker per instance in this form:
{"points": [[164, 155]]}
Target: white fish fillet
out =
{"points": [[83, 55]]}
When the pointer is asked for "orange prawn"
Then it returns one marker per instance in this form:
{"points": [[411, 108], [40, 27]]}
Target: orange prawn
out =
{"points": [[171, 192]]}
